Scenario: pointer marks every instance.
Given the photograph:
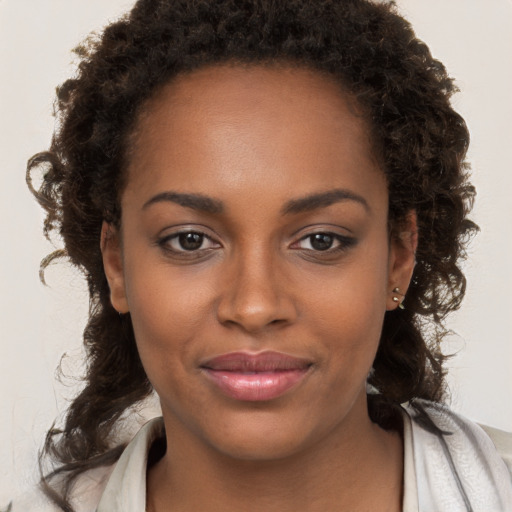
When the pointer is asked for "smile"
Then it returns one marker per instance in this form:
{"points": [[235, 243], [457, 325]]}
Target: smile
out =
{"points": [[255, 377]]}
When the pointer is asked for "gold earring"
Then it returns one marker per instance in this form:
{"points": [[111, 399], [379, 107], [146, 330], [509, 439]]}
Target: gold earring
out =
{"points": [[398, 299]]}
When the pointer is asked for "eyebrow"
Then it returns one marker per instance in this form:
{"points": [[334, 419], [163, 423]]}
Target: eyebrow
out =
{"points": [[195, 201], [303, 204], [322, 200]]}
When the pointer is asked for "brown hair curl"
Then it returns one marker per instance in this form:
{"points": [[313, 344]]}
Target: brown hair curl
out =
{"points": [[421, 142]]}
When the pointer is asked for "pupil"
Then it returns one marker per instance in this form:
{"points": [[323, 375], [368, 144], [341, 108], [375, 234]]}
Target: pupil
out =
{"points": [[321, 241], [191, 241]]}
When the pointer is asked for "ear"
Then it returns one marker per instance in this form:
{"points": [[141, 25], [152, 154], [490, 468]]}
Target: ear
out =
{"points": [[113, 266], [402, 258]]}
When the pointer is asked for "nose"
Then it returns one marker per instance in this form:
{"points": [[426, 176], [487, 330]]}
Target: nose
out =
{"points": [[255, 294]]}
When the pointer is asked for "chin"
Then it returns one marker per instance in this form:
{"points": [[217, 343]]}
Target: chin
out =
{"points": [[261, 448], [263, 437]]}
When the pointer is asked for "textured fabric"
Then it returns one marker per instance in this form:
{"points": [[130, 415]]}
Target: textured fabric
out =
{"points": [[502, 441], [460, 471], [410, 499], [130, 473]]}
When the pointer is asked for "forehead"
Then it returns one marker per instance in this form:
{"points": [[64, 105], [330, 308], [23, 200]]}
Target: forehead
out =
{"points": [[226, 126], [231, 90], [253, 84]]}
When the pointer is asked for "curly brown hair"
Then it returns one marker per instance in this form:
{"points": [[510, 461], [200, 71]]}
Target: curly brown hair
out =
{"points": [[420, 140]]}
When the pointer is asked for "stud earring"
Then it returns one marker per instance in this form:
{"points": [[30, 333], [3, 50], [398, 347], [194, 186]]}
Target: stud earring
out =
{"points": [[398, 299]]}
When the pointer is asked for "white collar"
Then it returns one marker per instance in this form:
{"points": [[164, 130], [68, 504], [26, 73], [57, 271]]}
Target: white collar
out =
{"points": [[126, 488], [458, 468], [436, 467]]}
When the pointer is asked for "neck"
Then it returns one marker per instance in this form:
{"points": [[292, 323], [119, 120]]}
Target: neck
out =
{"points": [[357, 467]]}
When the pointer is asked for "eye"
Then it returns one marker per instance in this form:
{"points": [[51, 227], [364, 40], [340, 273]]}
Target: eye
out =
{"points": [[324, 242], [318, 242], [187, 242]]}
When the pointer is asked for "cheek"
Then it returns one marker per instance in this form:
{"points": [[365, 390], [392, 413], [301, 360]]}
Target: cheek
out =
{"points": [[161, 294], [350, 337], [353, 293], [168, 307], [347, 311], [351, 330]]}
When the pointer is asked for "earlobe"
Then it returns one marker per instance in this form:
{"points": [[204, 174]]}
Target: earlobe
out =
{"points": [[113, 267], [402, 259]]}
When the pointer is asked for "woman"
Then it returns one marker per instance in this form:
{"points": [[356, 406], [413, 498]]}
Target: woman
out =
{"points": [[269, 202]]}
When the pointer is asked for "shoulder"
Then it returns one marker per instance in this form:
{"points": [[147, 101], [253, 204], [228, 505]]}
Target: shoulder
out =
{"points": [[457, 462], [85, 494], [459, 432], [503, 443], [104, 488]]}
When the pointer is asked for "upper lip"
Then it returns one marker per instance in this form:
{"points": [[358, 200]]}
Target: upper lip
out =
{"points": [[261, 362]]}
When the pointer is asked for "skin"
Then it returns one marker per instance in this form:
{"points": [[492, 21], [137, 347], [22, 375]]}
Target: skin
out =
{"points": [[254, 139]]}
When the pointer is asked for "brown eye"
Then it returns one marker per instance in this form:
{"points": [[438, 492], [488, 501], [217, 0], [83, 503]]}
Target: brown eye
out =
{"points": [[185, 242], [190, 241], [324, 241], [321, 241]]}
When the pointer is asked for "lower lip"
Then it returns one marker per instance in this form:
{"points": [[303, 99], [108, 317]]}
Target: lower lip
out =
{"points": [[258, 386]]}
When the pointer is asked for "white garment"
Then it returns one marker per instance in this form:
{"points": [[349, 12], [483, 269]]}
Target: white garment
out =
{"points": [[460, 471]]}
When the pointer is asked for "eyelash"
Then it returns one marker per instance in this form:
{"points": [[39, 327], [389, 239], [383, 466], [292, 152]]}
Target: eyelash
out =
{"points": [[343, 243], [166, 241]]}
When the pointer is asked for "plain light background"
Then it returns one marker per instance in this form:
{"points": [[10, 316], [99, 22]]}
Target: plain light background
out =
{"points": [[38, 324]]}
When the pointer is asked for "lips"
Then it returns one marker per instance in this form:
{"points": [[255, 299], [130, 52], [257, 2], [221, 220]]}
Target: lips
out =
{"points": [[255, 377]]}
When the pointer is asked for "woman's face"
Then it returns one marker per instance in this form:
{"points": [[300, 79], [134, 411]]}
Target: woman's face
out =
{"points": [[254, 258]]}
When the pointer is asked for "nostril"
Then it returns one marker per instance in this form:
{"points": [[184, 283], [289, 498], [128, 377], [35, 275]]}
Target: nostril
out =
{"points": [[253, 319], [252, 296]]}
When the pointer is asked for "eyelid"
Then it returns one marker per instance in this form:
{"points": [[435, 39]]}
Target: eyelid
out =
{"points": [[342, 242], [163, 240], [311, 229], [336, 244], [175, 236], [177, 229]]}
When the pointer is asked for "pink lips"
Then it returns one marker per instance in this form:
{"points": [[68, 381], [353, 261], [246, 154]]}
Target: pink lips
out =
{"points": [[255, 377]]}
